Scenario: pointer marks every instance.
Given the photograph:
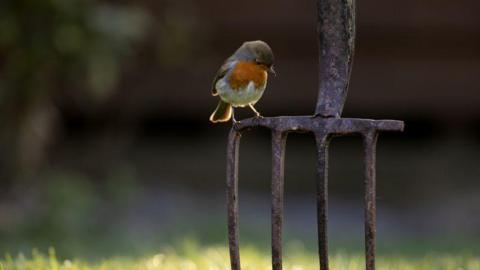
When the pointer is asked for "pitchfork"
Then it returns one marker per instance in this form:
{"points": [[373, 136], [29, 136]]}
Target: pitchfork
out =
{"points": [[336, 35]]}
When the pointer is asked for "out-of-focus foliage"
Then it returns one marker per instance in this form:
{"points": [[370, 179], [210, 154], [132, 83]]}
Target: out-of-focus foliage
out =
{"points": [[56, 49], [46, 45], [58, 54], [181, 32], [69, 211]]}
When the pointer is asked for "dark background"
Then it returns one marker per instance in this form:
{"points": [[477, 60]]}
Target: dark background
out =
{"points": [[106, 148]]}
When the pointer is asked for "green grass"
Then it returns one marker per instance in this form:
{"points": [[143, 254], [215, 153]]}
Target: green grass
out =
{"points": [[194, 257]]}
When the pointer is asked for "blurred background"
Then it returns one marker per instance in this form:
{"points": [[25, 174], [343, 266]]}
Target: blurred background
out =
{"points": [[106, 148]]}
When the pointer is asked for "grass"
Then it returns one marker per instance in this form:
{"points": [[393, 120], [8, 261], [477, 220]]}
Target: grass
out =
{"points": [[194, 257]]}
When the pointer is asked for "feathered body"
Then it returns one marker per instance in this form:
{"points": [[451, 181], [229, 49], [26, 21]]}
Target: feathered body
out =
{"points": [[243, 85], [242, 79]]}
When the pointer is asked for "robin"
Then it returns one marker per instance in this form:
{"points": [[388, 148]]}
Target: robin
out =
{"points": [[242, 79]]}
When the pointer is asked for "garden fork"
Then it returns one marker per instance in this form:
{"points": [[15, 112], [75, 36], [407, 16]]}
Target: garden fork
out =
{"points": [[336, 35]]}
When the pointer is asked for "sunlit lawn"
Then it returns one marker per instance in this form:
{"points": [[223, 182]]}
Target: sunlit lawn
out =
{"points": [[112, 244], [216, 257]]}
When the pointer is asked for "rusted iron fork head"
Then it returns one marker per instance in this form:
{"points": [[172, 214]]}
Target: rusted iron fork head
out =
{"points": [[323, 129]]}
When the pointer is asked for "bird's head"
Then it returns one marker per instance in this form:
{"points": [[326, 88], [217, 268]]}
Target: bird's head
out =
{"points": [[259, 52]]}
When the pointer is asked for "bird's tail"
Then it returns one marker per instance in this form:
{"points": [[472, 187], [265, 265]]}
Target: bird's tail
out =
{"points": [[222, 113]]}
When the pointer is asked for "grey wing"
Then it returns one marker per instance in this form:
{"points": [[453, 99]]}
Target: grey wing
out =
{"points": [[221, 73]]}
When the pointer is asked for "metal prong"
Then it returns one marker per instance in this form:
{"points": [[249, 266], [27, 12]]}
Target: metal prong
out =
{"points": [[232, 197], [370, 145], [278, 158], [322, 141], [323, 128]]}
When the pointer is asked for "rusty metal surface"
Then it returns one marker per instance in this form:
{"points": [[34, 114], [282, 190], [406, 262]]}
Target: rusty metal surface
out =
{"points": [[232, 197], [336, 39], [336, 29], [332, 126], [323, 129], [278, 157], [370, 147], [322, 140]]}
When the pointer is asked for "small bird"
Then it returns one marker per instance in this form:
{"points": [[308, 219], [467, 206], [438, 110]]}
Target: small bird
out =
{"points": [[242, 79]]}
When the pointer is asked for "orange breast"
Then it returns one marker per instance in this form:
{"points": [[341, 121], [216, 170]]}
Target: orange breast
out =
{"points": [[245, 72]]}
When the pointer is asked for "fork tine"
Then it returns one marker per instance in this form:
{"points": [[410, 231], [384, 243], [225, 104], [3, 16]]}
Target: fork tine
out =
{"points": [[232, 196], [370, 145], [322, 142], [278, 158]]}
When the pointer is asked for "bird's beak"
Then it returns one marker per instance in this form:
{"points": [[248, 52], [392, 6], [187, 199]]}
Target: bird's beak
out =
{"points": [[272, 70]]}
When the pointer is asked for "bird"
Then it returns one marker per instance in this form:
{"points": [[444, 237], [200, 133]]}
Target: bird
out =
{"points": [[242, 79]]}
